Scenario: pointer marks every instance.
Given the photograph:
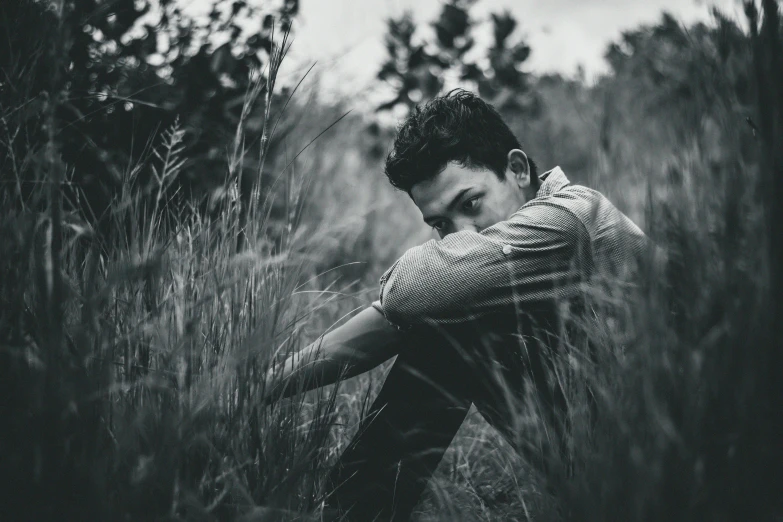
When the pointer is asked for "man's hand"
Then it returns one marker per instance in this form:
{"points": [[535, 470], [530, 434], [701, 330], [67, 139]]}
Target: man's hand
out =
{"points": [[362, 343]]}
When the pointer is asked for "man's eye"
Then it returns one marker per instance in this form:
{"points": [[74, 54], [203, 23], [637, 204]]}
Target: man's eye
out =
{"points": [[471, 204], [438, 225]]}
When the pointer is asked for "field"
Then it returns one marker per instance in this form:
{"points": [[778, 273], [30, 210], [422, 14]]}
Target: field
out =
{"points": [[140, 306]]}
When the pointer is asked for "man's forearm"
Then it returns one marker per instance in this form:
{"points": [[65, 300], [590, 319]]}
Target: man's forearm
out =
{"points": [[304, 370], [363, 342]]}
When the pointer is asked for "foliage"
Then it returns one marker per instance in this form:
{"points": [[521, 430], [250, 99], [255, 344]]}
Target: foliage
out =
{"points": [[116, 71], [416, 69]]}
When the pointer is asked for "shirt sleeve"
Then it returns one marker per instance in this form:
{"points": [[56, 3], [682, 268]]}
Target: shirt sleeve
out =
{"points": [[537, 255], [377, 305]]}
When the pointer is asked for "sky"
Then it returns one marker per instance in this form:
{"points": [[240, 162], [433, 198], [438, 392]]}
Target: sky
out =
{"points": [[345, 37]]}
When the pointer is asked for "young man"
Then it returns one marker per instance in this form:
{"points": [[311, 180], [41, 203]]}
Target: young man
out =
{"points": [[472, 317]]}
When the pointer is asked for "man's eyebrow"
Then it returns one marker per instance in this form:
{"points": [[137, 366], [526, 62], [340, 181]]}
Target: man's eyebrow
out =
{"points": [[453, 202]]}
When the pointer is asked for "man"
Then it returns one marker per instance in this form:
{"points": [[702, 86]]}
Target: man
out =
{"points": [[471, 318]]}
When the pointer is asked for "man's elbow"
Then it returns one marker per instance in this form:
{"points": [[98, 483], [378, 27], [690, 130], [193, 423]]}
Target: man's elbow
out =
{"points": [[401, 305]]}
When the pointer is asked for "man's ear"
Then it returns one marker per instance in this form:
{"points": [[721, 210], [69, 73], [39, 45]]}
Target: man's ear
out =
{"points": [[518, 168]]}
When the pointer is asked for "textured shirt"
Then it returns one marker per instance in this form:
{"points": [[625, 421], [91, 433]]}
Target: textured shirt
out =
{"points": [[564, 237]]}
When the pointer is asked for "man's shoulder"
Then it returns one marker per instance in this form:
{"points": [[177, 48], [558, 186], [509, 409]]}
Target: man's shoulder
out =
{"points": [[585, 203], [570, 205], [575, 198], [577, 207]]}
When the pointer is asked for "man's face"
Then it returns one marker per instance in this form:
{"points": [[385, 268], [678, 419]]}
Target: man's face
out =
{"points": [[460, 198]]}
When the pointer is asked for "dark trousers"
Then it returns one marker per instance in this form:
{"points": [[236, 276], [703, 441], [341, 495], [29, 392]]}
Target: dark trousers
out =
{"points": [[419, 409]]}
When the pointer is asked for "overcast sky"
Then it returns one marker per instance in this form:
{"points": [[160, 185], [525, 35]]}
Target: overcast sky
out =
{"points": [[345, 37]]}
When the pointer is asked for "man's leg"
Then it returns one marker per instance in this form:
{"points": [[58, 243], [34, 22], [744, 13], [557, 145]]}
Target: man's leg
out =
{"points": [[413, 420], [512, 374]]}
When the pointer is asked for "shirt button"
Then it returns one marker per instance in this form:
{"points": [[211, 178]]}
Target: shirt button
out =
{"points": [[507, 250]]}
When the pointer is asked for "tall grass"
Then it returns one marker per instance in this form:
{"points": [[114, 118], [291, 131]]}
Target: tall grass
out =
{"points": [[687, 380], [131, 362]]}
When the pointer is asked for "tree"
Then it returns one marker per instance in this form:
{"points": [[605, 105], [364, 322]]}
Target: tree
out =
{"points": [[678, 75], [117, 71], [408, 67], [415, 68]]}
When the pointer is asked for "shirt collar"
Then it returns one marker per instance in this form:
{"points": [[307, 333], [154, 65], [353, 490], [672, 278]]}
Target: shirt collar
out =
{"points": [[552, 181]]}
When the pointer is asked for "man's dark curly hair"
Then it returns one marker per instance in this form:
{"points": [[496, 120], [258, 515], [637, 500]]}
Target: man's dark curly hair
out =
{"points": [[458, 127]]}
